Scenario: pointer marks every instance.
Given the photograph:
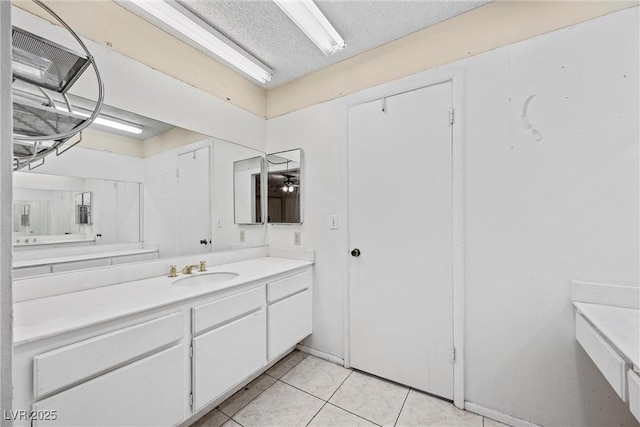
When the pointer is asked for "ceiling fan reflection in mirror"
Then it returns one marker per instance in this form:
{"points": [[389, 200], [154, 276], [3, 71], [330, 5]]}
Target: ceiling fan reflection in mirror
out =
{"points": [[44, 121]]}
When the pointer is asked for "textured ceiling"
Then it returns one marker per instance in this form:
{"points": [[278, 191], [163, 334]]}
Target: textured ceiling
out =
{"points": [[261, 28]]}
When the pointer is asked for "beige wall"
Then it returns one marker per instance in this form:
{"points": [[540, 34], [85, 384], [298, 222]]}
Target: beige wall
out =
{"points": [[483, 29], [493, 25]]}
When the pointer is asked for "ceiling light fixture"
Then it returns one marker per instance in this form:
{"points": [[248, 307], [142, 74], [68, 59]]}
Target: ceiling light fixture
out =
{"points": [[208, 38], [108, 123], [314, 24]]}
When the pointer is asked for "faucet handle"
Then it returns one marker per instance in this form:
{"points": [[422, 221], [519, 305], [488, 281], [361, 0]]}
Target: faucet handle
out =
{"points": [[203, 266], [172, 271]]}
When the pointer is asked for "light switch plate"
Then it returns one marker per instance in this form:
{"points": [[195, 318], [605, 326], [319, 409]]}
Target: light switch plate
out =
{"points": [[297, 238], [242, 236], [333, 221], [219, 222]]}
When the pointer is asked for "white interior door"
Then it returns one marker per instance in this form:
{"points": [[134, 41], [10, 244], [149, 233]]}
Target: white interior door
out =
{"points": [[400, 219], [194, 202]]}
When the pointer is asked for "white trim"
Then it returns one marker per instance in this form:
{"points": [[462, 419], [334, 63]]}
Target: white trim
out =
{"points": [[320, 354], [457, 171], [498, 416], [625, 295], [301, 254], [394, 88]]}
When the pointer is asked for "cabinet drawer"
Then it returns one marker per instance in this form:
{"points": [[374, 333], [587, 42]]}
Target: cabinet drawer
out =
{"points": [[289, 322], [226, 356], [215, 313], [149, 392], [71, 364], [634, 394], [289, 286], [611, 364]]}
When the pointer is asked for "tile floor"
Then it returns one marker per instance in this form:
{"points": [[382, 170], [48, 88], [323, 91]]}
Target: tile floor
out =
{"points": [[302, 390]]}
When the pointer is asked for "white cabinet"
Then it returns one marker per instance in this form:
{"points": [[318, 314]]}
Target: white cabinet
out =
{"points": [[227, 355], [289, 312], [163, 368], [232, 347], [634, 393], [149, 392], [610, 363]]}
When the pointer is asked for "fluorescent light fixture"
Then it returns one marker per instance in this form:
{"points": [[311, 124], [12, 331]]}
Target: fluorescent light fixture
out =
{"points": [[106, 122], [214, 43], [314, 24]]}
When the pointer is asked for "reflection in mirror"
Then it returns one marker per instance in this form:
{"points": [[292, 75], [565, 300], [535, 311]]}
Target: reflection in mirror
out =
{"points": [[247, 189], [83, 208], [284, 187], [51, 209]]}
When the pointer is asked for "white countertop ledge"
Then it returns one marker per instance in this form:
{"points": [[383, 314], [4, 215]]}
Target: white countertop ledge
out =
{"points": [[47, 317], [80, 257], [620, 326]]}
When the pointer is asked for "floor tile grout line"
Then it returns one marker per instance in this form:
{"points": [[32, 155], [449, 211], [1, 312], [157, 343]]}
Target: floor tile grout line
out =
{"points": [[402, 407], [316, 414], [346, 410], [304, 391], [246, 404], [341, 384], [287, 371], [353, 413]]}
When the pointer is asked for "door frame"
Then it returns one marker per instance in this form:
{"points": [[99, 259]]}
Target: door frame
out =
{"points": [[457, 151]]}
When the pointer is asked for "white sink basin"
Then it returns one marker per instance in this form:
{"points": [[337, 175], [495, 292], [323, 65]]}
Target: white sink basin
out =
{"points": [[205, 279]]}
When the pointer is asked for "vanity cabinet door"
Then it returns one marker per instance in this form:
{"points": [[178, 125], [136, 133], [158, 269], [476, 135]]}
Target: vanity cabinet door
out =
{"points": [[289, 322], [226, 356], [149, 392]]}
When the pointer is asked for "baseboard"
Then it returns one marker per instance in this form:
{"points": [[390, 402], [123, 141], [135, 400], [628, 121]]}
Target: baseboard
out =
{"points": [[498, 416], [320, 354]]}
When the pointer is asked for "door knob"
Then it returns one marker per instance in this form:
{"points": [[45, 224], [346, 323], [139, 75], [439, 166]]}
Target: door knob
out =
{"points": [[355, 252]]}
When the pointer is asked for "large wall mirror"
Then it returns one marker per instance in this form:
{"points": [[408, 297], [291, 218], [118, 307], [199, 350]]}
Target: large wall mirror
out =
{"points": [[170, 190], [284, 187], [193, 194]]}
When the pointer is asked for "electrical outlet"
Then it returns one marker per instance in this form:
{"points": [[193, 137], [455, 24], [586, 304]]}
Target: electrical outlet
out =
{"points": [[334, 222], [297, 238], [241, 236]]}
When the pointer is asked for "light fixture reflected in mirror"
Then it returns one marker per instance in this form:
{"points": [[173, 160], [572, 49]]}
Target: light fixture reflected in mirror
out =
{"points": [[284, 201]]}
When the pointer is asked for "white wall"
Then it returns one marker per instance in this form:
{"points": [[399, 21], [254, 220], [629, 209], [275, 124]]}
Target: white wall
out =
{"points": [[550, 195]]}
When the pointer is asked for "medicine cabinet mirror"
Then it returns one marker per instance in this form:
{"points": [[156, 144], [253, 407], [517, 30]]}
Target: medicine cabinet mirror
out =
{"points": [[284, 189], [247, 190]]}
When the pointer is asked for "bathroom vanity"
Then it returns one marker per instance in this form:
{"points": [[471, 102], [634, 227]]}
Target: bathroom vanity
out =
{"points": [[160, 350], [608, 329]]}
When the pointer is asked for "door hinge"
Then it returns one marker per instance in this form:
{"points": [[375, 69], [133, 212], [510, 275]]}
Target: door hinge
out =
{"points": [[191, 399], [191, 350], [453, 355], [451, 115]]}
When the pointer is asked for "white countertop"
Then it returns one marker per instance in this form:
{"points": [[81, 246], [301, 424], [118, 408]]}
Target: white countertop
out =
{"points": [[22, 243], [620, 326], [79, 257], [47, 317]]}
